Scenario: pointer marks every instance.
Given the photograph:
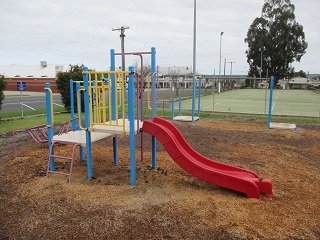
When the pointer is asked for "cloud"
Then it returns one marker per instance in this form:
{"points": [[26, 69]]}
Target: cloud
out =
{"points": [[63, 32]]}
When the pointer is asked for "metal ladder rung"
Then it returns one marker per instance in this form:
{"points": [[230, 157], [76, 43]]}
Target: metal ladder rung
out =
{"points": [[60, 173], [62, 157]]}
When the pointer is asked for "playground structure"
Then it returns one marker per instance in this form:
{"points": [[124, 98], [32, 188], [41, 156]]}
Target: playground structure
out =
{"points": [[105, 116]]}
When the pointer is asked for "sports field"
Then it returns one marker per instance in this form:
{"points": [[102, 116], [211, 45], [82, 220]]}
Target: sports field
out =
{"points": [[256, 101]]}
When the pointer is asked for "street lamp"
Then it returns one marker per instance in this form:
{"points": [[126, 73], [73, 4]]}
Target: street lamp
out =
{"points": [[261, 50], [220, 54], [220, 60]]}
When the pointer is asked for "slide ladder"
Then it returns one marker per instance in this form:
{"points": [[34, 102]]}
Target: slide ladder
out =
{"points": [[65, 128], [71, 159]]}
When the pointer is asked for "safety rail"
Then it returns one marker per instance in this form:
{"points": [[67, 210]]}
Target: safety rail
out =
{"points": [[102, 96], [79, 107], [51, 101], [66, 127]]}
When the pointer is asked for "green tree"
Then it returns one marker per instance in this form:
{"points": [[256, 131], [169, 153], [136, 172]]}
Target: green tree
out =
{"points": [[3, 85], [300, 74], [276, 38], [63, 83]]}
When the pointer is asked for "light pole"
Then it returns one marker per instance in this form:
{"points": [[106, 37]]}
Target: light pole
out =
{"points": [[220, 62], [261, 50], [194, 56]]}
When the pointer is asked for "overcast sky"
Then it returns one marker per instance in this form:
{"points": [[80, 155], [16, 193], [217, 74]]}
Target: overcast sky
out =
{"points": [[79, 31]]}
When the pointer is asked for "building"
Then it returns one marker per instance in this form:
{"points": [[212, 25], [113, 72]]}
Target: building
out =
{"points": [[35, 76], [174, 76]]}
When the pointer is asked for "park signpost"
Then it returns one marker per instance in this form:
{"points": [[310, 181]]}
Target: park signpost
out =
{"points": [[21, 86]]}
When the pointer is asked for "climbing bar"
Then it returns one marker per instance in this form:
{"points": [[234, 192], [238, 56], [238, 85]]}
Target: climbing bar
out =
{"points": [[36, 133]]}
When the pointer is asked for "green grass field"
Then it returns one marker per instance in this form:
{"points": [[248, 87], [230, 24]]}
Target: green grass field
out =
{"points": [[256, 101]]}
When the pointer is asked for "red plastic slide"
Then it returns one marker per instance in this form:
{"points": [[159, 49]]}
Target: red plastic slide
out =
{"points": [[203, 168]]}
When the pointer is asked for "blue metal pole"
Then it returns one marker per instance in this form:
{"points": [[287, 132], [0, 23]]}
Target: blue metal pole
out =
{"points": [[172, 109], [132, 131], [153, 87], [49, 123], [180, 100], [87, 121], [199, 94], [114, 85], [193, 96], [74, 123], [81, 151], [154, 111], [270, 100], [113, 105]]}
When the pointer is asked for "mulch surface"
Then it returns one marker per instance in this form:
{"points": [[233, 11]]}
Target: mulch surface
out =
{"points": [[167, 202]]}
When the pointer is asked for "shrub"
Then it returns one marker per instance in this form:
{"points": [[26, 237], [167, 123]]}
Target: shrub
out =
{"points": [[3, 85]]}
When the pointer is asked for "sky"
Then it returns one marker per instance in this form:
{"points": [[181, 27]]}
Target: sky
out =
{"points": [[81, 32]]}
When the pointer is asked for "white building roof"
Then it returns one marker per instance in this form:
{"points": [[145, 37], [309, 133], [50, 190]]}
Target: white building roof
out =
{"points": [[35, 71]]}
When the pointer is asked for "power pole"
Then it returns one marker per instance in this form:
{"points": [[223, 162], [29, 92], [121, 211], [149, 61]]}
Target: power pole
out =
{"points": [[122, 35], [231, 67]]}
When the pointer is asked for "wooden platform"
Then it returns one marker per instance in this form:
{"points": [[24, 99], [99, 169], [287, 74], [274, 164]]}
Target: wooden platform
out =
{"points": [[185, 118], [283, 125]]}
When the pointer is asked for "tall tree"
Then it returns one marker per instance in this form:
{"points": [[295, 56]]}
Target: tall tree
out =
{"points": [[3, 85], [276, 40]]}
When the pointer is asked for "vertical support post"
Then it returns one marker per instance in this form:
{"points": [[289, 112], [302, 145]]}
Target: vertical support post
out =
{"points": [[49, 123], [193, 96], [114, 105], [87, 121], [194, 55], [113, 85], [74, 123], [153, 87], [180, 101], [270, 100], [172, 109], [132, 131], [81, 152], [199, 96], [153, 139]]}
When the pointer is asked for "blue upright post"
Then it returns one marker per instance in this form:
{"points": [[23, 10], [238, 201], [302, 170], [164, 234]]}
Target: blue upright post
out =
{"points": [[154, 112], [199, 97], [113, 85], [132, 131], [74, 123], [180, 100], [87, 121], [81, 152], [49, 122], [193, 97], [113, 105], [172, 109], [270, 100]]}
